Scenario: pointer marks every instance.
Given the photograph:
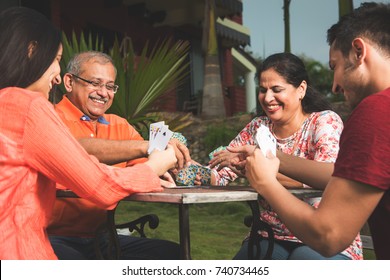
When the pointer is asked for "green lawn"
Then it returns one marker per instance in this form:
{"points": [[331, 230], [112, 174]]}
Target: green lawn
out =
{"points": [[217, 230]]}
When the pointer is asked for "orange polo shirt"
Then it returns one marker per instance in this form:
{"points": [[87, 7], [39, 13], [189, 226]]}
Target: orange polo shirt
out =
{"points": [[37, 150], [80, 217]]}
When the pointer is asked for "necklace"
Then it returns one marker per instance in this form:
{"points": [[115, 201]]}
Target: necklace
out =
{"points": [[291, 138], [299, 127]]}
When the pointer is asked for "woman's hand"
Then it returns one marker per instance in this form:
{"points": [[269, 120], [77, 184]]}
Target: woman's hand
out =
{"points": [[232, 157], [167, 181], [162, 161], [198, 179]]}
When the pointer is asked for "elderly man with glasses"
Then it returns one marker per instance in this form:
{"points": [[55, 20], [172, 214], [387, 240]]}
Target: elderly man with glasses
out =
{"points": [[90, 86]]}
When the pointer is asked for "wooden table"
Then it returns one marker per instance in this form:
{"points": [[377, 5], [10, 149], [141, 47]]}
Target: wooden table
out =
{"points": [[185, 196], [306, 192]]}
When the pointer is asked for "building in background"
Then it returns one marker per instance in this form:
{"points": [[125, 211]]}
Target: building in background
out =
{"points": [[154, 20]]}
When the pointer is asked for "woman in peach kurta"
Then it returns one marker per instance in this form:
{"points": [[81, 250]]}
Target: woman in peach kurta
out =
{"points": [[317, 139], [37, 150], [304, 126]]}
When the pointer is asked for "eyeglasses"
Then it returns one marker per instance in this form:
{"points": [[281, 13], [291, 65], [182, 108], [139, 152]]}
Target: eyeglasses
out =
{"points": [[111, 88]]}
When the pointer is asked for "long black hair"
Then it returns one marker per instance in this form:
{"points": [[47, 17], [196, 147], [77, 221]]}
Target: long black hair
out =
{"points": [[29, 44], [293, 70]]}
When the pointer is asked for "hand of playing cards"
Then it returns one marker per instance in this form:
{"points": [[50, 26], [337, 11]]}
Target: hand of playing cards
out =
{"points": [[265, 140], [159, 136], [187, 175]]}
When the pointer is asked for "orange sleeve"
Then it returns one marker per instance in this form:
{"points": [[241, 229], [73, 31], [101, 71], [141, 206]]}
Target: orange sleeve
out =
{"points": [[52, 150]]}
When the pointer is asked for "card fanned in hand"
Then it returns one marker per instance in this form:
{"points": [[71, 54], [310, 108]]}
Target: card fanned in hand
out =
{"points": [[159, 136], [265, 140]]}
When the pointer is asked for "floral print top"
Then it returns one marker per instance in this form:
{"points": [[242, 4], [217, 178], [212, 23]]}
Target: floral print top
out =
{"points": [[317, 139]]}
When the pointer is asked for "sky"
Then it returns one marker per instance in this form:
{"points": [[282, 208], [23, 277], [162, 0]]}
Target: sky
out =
{"points": [[309, 22]]}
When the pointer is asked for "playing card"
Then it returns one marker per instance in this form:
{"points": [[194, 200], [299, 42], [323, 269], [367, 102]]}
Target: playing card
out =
{"points": [[162, 138], [265, 140], [205, 175], [154, 129], [220, 148], [159, 136], [180, 137], [186, 176]]}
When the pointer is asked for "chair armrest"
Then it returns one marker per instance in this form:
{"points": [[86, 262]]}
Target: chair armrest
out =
{"points": [[113, 249], [253, 221], [139, 224]]}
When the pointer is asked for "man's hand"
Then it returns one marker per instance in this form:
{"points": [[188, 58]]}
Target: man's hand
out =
{"points": [[261, 171], [182, 153], [162, 161]]}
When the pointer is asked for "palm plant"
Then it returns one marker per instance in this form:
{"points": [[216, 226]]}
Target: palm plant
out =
{"points": [[73, 46], [142, 82]]}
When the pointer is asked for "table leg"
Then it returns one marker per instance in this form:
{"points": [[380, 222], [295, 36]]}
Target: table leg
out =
{"points": [[184, 231]]}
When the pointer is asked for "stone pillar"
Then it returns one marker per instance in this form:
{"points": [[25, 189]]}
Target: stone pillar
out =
{"points": [[250, 91]]}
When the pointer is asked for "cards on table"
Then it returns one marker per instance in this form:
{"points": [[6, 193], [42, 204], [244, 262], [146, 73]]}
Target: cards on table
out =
{"points": [[159, 135], [265, 140]]}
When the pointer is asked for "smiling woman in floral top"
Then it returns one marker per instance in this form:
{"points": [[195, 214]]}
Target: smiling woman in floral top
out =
{"points": [[304, 126]]}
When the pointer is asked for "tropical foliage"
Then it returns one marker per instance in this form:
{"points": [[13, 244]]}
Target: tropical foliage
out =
{"points": [[321, 78], [176, 121], [219, 135], [147, 77], [75, 45]]}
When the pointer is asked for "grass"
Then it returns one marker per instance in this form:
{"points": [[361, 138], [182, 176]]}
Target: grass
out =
{"points": [[369, 254], [217, 230]]}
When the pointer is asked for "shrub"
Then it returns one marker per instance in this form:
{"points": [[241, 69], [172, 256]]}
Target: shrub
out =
{"points": [[219, 135]]}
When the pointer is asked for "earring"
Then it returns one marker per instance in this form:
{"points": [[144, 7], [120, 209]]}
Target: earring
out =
{"points": [[31, 48]]}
